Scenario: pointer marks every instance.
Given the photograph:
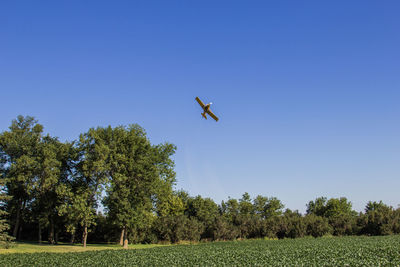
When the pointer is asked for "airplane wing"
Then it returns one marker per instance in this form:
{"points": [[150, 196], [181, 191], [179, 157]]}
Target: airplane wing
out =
{"points": [[212, 115], [201, 103]]}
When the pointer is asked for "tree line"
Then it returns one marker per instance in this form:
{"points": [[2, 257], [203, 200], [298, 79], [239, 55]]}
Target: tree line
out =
{"points": [[51, 190]]}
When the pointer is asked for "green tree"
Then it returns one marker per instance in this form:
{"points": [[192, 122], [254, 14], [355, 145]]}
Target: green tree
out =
{"points": [[317, 207], [205, 210], [177, 228], [139, 174], [267, 207], [5, 239], [170, 203], [338, 211], [380, 219], [330, 208], [20, 146], [44, 186], [292, 225], [224, 230], [337, 207], [90, 177], [317, 226], [245, 205], [76, 209], [230, 210]]}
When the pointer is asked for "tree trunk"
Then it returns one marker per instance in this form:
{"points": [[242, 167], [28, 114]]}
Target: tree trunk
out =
{"points": [[72, 237], [51, 232], [121, 240], [125, 237], [18, 219], [20, 232], [84, 238], [56, 238], [40, 232]]}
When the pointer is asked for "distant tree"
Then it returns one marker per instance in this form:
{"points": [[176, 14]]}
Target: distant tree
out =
{"points": [[222, 229], [205, 210], [396, 221], [170, 203], [317, 207], [317, 226], [271, 227], [341, 216], [292, 225], [377, 206], [177, 228], [337, 207], [267, 207], [338, 211], [246, 219], [245, 205], [380, 219], [230, 210]]}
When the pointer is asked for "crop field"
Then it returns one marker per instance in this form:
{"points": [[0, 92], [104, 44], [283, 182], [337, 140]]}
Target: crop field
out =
{"points": [[343, 251]]}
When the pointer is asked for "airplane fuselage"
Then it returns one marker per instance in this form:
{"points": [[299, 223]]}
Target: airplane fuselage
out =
{"points": [[206, 108]]}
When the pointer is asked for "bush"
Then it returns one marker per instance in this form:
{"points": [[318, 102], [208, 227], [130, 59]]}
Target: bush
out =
{"points": [[317, 226], [177, 228], [223, 230]]}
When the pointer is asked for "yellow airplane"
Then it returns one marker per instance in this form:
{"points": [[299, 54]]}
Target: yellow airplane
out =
{"points": [[206, 110]]}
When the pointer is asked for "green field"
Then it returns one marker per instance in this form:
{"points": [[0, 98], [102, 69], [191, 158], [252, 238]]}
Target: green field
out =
{"points": [[351, 251]]}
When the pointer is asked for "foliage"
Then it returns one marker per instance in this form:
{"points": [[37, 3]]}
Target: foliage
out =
{"points": [[20, 165], [379, 219], [5, 239], [139, 175], [178, 228], [317, 226]]}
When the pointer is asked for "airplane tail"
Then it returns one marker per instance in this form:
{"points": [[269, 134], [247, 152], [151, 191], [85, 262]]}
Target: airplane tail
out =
{"points": [[204, 115]]}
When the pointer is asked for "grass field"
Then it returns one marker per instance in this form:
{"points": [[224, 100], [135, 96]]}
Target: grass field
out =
{"points": [[60, 248], [344, 251]]}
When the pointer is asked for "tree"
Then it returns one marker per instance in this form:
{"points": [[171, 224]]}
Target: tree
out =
{"points": [[267, 207], [90, 177], [230, 210], [44, 185], [245, 206], [5, 239], [337, 207], [380, 219], [139, 174], [20, 146], [330, 208], [291, 225], [205, 210], [317, 207], [177, 228], [222, 229], [170, 203], [337, 210], [317, 226]]}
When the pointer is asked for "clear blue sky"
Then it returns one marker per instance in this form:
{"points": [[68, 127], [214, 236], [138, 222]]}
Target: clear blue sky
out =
{"points": [[308, 92]]}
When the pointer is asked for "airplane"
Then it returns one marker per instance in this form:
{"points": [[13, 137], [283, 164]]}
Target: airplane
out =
{"points": [[206, 110]]}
